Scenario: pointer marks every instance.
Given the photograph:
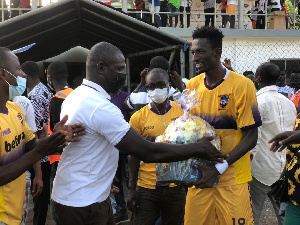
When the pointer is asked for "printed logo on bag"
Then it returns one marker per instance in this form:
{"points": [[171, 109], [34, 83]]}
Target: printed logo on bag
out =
{"points": [[223, 101]]}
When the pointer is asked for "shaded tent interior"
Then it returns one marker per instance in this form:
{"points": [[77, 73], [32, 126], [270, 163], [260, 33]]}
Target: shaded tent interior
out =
{"points": [[69, 23]]}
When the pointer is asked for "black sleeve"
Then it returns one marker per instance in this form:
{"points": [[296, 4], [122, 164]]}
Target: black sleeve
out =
{"points": [[55, 108]]}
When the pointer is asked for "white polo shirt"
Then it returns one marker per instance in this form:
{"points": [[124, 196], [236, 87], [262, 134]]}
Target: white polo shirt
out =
{"points": [[86, 168], [278, 114]]}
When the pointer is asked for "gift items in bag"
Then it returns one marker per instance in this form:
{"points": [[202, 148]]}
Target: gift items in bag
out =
{"points": [[184, 130]]}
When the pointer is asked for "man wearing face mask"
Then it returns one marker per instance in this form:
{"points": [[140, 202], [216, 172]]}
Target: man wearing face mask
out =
{"points": [[15, 93], [150, 199], [39, 97], [27, 108], [86, 169], [19, 149], [139, 97]]}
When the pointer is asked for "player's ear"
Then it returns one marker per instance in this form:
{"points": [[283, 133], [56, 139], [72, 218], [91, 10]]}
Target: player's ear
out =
{"points": [[218, 52]]}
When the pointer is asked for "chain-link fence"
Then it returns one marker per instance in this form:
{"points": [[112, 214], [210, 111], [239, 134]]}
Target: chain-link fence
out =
{"points": [[248, 55]]}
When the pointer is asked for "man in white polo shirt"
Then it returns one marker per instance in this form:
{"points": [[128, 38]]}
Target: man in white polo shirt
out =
{"points": [[278, 114], [86, 169]]}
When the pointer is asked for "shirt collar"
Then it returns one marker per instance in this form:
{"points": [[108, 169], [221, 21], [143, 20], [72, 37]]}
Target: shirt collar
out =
{"points": [[96, 87], [149, 104], [267, 88], [226, 75]]}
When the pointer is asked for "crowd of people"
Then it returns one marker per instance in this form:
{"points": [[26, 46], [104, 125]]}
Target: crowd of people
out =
{"points": [[172, 9], [177, 13], [69, 148]]}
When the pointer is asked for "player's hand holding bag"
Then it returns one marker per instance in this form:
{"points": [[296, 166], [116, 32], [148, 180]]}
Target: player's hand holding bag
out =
{"points": [[185, 129]]}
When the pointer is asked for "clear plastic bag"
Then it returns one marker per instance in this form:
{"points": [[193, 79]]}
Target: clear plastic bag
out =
{"points": [[185, 129]]}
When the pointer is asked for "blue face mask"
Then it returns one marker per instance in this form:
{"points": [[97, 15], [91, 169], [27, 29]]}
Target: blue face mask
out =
{"points": [[16, 90]]}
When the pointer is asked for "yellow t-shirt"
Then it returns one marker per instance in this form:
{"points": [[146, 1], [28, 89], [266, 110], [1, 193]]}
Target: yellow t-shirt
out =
{"points": [[230, 107], [148, 123], [14, 133]]}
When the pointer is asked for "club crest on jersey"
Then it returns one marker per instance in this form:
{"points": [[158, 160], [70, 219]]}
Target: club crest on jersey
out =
{"points": [[21, 119], [223, 101]]}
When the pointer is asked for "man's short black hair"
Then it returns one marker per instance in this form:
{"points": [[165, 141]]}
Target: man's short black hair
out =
{"points": [[213, 35], [269, 73], [31, 69], [159, 62], [3, 56], [160, 71], [248, 72], [58, 71]]}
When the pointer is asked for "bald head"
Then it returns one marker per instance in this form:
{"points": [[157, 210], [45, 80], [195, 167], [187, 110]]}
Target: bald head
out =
{"points": [[104, 62], [104, 52]]}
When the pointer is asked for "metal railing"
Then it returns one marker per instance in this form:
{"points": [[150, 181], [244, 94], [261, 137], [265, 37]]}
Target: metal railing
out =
{"points": [[187, 17]]}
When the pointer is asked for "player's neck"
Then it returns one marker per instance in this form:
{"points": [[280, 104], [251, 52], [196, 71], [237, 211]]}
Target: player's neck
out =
{"points": [[3, 100], [61, 86], [215, 76], [161, 108]]}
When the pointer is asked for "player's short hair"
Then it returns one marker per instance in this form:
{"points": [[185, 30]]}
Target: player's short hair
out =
{"points": [[213, 35], [31, 69], [58, 71]]}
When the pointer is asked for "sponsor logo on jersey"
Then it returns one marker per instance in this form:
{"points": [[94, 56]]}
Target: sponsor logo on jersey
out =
{"points": [[6, 132], [18, 138], [21, 119], [149, 128]]}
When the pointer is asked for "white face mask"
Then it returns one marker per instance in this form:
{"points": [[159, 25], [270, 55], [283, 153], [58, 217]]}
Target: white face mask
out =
{"points": [[158, 95]]}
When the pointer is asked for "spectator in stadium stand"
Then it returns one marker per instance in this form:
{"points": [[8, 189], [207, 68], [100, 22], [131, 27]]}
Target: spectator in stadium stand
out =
{"points": [[13, 4], [156, 9], [282, 87], [139, 97], [253, 18], [173, 9], [209, 7], [106, 2], [164, 16], [295, 93], [85, 171], [286, 12], [231, 5], [25, 4], [275, 5], [228, 103], [278, 115], [57, 76], [139, 5], [261, 20], [39, 97], [223, 10], [185, 4]]}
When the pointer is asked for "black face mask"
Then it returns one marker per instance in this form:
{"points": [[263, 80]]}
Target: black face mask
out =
{"points": [[119, 82]]}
